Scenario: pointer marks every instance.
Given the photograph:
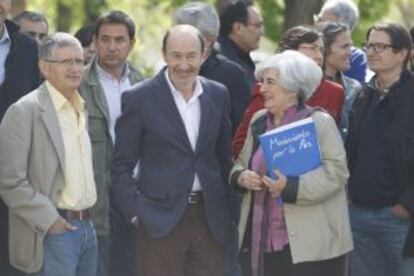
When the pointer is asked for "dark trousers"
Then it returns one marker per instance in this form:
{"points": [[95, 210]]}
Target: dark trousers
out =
{"points": [[280, 263], [123, 245], [189, 250], [5, 268]]}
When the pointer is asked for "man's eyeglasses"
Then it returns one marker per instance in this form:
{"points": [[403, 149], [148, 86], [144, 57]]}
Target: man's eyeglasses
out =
{"points": [[67, 62], [257, 25], [377, 47]]}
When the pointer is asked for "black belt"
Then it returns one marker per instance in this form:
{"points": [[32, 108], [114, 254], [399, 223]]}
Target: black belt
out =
{"points": [[69, 214], [195, 198]]}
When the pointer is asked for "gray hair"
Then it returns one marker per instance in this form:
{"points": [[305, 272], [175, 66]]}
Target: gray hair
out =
{"points": [[297, 72], [30, 16], [55, 41], [200, 15], [345, 10]]}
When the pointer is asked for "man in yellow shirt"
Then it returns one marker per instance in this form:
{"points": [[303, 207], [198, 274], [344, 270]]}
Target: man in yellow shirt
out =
{"points": [[46, 175]]}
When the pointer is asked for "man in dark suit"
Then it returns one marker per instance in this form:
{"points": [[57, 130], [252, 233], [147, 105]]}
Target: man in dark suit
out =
{"points": [[177, 126]]}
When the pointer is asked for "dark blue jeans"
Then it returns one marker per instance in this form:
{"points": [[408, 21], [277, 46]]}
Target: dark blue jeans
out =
{"points": [[379, 237], [71, 253]]}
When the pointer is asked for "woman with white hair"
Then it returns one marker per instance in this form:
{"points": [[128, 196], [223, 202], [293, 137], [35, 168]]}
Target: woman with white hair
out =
{"points": [[309, 234]]}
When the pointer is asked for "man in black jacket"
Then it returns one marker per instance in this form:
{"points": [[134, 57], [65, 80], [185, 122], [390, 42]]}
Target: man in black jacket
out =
{"points": [[241, 27], [217, 67], [19, 75], [380, 151]]}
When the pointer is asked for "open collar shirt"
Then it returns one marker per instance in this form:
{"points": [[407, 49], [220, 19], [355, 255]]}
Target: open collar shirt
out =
{"points": [[5, 44], [190, 112]]}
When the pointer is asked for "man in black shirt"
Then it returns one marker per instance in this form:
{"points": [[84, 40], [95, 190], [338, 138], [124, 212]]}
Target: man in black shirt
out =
{"points": [[241, 27], [381, 156]]}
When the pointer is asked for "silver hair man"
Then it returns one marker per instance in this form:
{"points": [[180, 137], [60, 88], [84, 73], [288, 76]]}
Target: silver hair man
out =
{"points": [[200, 15], [55, 41], [33, 24], [345, 11]]}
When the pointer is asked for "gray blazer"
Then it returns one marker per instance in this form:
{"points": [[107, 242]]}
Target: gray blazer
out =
{"points": [[31, 175]]}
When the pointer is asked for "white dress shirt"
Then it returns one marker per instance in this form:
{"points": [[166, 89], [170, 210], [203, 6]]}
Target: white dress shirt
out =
{"points": [[5, 44], [190, 112], [113, 90]]}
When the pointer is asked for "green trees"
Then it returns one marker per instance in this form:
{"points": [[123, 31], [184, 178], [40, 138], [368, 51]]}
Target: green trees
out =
{"points": [[153, 17]]}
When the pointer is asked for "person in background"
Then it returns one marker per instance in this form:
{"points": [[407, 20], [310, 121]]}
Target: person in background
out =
{"points": [[85, 36], [46, 175], [337, 60], [381, 157], [19, 74], [411, 64], [328, 95], [105, 80], [346, 12], [309, 233], [241, 27], [33, 24]]}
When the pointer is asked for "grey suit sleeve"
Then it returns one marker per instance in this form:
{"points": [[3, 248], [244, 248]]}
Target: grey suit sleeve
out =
{"points": [[15, 188]]}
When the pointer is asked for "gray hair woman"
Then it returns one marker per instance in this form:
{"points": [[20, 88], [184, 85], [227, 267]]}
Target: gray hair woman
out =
{"points": [[309, 234]]}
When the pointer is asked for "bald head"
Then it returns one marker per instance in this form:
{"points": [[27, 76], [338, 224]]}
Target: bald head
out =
{"points": [[183, 49], [180, 32]]}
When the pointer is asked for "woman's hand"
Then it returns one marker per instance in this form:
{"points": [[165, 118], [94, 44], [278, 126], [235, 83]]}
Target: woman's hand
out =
{"points": [[275, 186], [250, 180]]}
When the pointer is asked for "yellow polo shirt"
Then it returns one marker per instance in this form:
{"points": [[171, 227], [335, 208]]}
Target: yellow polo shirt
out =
{"points": [[79, 191]]}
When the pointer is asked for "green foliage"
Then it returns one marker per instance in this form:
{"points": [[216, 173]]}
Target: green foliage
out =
{"points": [[371, 11], [153, 18], [272, 12]]}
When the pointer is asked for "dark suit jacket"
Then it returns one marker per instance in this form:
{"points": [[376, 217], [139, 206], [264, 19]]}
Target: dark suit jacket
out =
{"points": [[234, 77], [233, 52], [151, 130], [22, 73]]}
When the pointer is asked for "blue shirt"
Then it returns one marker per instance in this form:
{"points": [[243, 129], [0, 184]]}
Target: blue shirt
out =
{"points": [[5, 44]]}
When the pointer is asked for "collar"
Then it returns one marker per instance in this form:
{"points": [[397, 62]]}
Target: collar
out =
{"points": [[227, 42], [59, 101], [198, 89], [5, 38], [373, 83], [102, 73]]}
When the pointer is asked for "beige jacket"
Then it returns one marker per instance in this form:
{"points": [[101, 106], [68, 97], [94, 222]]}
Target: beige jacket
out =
{"points": [[31, 176], [318, 222]]}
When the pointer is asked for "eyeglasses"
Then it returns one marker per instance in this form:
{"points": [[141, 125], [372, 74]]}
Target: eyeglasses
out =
{"points": [[377, 47], [258, 25], [67, 62], [40, 36]]}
